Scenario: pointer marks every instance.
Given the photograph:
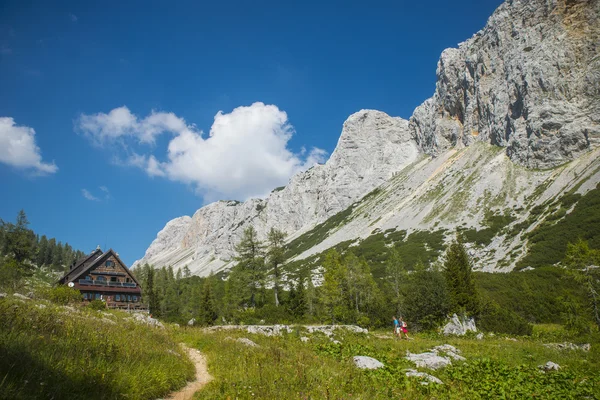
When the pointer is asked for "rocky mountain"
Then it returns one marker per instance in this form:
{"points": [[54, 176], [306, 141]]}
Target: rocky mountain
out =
{"points": [[514, 121]]}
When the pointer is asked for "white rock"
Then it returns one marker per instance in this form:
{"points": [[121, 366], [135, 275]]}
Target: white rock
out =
{"points": [[247, 342], [479, 336], [550, 366], [459, 326], [568, 346], [429, 360], [364, 362], [304, 339], [427, 377], [191, 322], [20, 296]]}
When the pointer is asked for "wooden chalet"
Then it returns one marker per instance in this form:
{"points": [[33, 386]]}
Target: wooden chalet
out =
{"points": [[103, 276]]}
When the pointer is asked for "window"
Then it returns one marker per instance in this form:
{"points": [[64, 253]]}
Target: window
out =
{"points": [[85, 296], [135, 299], [98, 296], [100, 278], [109, 264], [88, 278], [128, 297], [113, 278], [118, 297]]}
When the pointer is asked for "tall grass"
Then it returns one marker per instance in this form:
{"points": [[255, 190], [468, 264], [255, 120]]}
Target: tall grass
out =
{"points": [[287, 368], [53, 352]]}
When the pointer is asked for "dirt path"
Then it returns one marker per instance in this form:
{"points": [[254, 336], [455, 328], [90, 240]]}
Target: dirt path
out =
{"points": [[202, 376]]}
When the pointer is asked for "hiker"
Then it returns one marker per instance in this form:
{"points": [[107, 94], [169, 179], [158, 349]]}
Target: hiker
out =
{"points": [[403, 326], [396, 327]]}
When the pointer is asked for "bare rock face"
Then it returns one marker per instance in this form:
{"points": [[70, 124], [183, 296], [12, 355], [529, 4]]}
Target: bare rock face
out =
{"points": [[371, 148], [529, 81]]}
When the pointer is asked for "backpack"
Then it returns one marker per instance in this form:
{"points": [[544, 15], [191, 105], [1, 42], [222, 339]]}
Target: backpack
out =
{"points": [[404, 324]]}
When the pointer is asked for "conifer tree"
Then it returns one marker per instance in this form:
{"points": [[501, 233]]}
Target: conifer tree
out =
{"points": [[149, 291], [250, 258], [459, 279], [208, 310], [275, 258], [396, 274], [332, 291], [581, 262]]}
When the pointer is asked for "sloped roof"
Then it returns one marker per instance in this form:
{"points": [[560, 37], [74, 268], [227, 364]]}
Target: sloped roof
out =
{"points": [[81, 263], [96, 258]]}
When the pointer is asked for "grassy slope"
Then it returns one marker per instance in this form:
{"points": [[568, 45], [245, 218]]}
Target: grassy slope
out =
{"points": [[49, 351], [285, 368]]}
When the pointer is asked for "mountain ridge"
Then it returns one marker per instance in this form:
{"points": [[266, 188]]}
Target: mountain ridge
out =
{"points": [[528, 84]]}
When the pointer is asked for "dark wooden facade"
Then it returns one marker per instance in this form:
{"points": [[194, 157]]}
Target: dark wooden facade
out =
{"points": [[103, 276]]}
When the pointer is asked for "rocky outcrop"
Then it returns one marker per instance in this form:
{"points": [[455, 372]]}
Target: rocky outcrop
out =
{"points": [[459, 326], [372, 147], [529, 81]]}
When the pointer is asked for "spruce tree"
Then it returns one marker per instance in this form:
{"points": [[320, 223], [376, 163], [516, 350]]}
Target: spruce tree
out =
{"points": [[459, 280], [396, 274], [333, 290], [208, 311], [250, 258], [149, 291], [275, 258]]}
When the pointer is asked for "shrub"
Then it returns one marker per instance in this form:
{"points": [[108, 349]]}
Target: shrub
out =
{"points": [[97, 305], [494, 318], [64, 295]]}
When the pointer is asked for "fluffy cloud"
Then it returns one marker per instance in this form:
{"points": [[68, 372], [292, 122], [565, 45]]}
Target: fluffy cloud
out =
{"points": [[245, 153], [18, 148]]}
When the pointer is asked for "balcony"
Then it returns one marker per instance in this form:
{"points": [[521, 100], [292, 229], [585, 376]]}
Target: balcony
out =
{"points": [[89, 282]]}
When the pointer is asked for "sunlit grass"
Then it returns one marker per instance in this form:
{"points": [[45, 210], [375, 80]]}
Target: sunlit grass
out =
{"points": [[285, 367], [49, 351]]}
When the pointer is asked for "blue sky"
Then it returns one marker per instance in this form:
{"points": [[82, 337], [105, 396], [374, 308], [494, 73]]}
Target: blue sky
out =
{"points": [[122, 97]]}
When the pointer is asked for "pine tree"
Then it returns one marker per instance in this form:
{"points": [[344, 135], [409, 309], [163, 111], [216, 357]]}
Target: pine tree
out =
{"points": [[332, 291], [208, 312], [150, 295], [20, 239], [250, 258], [581, 262], [396, 274], [41, 252], [275, 258], [459, 280]]}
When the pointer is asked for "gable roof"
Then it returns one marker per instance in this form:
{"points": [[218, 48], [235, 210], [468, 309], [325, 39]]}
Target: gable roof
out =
{"points": [[81, 264], [87, 266]]}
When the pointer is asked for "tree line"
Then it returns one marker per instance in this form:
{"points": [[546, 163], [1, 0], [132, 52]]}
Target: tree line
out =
{"points": [[22, 251], [260, 288]]}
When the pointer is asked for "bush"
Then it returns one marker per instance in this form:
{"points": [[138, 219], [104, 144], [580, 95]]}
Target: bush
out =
{"points": [[97, 305], [494, 318], [64, 295]]}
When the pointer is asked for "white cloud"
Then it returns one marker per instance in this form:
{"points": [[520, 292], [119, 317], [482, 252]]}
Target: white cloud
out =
{"points": [[18, 148], [86, 193], [106, 192], [246, 153]]}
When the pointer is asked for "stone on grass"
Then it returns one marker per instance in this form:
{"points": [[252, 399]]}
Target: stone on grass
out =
{"points": [[479, 336], [459, 326], [2, 295], [429, 378], [247, 342], [568, 346], [364, 362], [20, 296], [191, 322], [429, 360], [304, 339], [549, 366]]}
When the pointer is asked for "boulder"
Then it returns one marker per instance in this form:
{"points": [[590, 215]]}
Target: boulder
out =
{"points": [[459, 326], [304, 339], [191, 322], [20, 296], [429, 360], [549, 366], [247, 342], [364, 362], [428, 378]]}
